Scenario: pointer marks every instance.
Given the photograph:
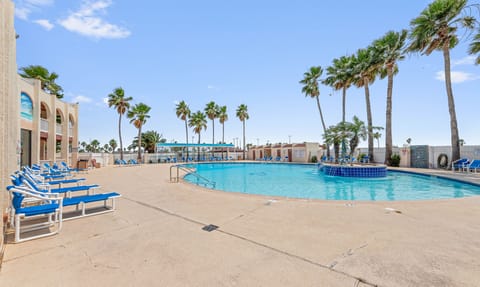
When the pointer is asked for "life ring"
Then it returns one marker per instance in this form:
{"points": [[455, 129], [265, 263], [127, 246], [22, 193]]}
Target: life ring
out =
{"points": [[442, 161]]}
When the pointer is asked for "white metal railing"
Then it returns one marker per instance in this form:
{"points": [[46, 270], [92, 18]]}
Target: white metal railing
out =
{"points": [[58, 129], [44, 125]]}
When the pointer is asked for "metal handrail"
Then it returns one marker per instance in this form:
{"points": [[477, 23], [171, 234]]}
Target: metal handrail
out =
{"points": [[189, 171]]}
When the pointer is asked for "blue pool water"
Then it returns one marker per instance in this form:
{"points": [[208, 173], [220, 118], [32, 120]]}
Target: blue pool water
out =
{"points": [[306, 181]]}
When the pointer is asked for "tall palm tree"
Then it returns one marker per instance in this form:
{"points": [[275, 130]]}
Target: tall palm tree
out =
{"points": [[47, 79], [475, 47], [198, 122], [222, 118], [435, 29], [242, 114], [391, 50], [340, 77], [366, 68], [138, 115], [118, 101], [310, 89], [183, 113], [212, 111]]}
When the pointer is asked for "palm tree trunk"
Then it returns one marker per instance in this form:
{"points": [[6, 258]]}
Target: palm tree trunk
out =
{"points": [[388, 116], [213, 131], [243, 139], [451, 106], [186, 136], [223, 136], [223, 132], [344, 98], [120, 135], [198, 149], [139, 155], [323, 124], [369, 120]]}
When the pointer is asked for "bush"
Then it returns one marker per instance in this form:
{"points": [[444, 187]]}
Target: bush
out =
{"points": [[395, 160], [314, 159]]}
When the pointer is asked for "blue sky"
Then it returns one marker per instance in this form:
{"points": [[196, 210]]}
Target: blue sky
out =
{"points": [[234, 52]]}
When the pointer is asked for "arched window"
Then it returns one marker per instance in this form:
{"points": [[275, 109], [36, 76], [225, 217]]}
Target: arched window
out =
{"points": [[26, 109]]}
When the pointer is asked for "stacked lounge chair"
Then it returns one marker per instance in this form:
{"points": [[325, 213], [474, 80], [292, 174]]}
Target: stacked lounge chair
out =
{"points": [[37, 204]]}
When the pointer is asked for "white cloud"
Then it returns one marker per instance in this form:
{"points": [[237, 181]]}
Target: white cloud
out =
{"points": [[45, 24], [212, 87], [24, 8], [468, 60], [457, 76], [87, 22], [82, 99]]}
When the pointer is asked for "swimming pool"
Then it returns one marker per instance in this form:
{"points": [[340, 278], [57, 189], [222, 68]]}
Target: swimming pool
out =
{"points": [[306, 181]]}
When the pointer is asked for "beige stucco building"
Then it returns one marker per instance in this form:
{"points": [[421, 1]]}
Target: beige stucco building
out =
{"points": [[49, 126], [296, 152]]}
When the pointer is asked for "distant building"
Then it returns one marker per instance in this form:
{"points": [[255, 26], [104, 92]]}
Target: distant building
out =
{"points": [[296, 152]]}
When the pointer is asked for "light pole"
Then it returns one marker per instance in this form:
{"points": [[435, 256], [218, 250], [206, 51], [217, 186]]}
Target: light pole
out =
{"points": [[289, 139]]}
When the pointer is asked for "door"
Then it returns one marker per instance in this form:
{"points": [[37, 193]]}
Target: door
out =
{"points": [[26, 144]]}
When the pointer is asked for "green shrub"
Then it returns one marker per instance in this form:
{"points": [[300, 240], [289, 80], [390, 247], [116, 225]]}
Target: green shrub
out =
{"points": [[314, 159], [395, 160]]}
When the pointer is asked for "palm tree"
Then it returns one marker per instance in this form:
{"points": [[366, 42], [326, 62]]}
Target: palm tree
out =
{"points": [[138, 115], [150, 140], [94, 145], [366, 68], [118, 101], [340, 77], [222, 118], [333, 136], [47, 79], [113, 144], [390, 49], [377, 136], [212, 111], [310, 88], [435, 29], [357, 131], [198, 122], [242, 114], [183, 113], [475, 47]]}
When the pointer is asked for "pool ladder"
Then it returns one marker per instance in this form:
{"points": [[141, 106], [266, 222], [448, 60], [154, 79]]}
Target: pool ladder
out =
{"points": [[200, 179]]}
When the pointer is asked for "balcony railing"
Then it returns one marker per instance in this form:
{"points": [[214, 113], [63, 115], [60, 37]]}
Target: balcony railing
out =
{"points": [[43, 125], [58, 129]]}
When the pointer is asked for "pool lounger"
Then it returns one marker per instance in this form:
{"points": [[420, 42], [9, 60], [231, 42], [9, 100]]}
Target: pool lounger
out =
{"points": [[82, 201]]}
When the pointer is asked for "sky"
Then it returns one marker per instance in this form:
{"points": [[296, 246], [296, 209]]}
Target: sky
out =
{"points": [[239, 52]]}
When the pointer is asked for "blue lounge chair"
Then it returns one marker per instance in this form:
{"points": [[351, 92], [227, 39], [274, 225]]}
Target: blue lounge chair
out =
{"points": [[82, 201], [46, 205], [473, 166], [45, 188], [460, 164]]}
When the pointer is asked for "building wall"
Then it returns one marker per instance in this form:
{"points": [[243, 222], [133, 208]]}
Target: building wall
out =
{"points": [[9, 105]]}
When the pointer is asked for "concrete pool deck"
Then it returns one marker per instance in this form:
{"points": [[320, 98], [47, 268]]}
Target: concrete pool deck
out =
{"points": [[155, 238]]}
